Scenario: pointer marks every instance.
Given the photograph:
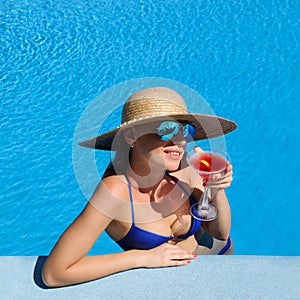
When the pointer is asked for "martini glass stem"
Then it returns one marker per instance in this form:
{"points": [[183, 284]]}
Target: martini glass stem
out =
{"points": [[206, 192]]}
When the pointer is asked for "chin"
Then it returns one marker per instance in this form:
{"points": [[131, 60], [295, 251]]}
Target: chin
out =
{"points": [[172, 167]]}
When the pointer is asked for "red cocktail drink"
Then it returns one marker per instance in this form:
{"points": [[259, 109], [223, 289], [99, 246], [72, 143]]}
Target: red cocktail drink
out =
{"points": [[208, 163], [211, 166]]}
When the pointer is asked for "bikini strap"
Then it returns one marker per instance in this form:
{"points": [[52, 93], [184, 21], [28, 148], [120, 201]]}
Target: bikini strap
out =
{"points": [[192, 200], [131, 200]]}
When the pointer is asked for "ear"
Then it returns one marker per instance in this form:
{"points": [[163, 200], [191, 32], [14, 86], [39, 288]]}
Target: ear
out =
{"points": [[129, 136]]}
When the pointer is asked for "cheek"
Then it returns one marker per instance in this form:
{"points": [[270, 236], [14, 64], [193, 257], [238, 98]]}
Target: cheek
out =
{"points": [[149, 143], [150, 149]]}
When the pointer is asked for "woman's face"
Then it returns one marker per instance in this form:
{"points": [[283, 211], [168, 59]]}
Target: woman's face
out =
{"points": [[149, 150]]}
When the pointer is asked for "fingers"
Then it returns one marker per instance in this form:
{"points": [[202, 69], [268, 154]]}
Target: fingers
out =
{"points": [[175, 252], [197, 149], [218, 181], [178, 256], [221, 183], [167, 255], [228, 167]]}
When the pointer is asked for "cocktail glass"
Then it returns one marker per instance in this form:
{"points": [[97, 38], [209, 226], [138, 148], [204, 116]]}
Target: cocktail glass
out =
{"points": [[210, 164]]}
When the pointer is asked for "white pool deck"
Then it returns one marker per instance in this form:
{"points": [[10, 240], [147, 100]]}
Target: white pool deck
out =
{"points": [[207, 277]]}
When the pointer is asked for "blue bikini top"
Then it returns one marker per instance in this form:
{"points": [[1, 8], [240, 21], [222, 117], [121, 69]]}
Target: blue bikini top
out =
{"points": [[138, 238]]}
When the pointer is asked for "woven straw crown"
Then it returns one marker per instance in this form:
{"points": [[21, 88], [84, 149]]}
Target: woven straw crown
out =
{"points": [[152, 102], [160, 103]]}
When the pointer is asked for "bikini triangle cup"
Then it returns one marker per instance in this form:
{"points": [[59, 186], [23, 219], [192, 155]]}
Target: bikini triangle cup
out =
{"points": [[138, 238]]}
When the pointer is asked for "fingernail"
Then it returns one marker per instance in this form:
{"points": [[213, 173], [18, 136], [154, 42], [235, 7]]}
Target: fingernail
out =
{"points": [[195, 255], [188, 261]]}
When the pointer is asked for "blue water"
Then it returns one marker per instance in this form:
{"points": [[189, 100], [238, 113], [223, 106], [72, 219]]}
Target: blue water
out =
{"points": [[57, 56]]}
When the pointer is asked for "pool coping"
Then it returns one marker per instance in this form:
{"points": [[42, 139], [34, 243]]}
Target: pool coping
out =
{"points": [[207, 277]]}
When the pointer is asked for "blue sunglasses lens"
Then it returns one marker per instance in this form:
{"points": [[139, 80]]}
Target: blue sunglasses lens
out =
{"points": [[168, 129], [189, 132]]}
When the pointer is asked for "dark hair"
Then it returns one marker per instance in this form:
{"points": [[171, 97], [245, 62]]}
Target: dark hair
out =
{"points": [[121, 160]]}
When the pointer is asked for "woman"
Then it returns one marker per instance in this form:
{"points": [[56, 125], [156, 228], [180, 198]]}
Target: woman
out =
{"points": [[143, 201]]}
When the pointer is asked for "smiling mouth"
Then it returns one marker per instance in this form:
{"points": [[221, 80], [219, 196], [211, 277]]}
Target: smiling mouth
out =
{"points": [[173, 154]]}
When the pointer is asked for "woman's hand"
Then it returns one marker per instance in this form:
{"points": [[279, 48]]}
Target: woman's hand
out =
{"points": [[220, 181], [166, 255]]}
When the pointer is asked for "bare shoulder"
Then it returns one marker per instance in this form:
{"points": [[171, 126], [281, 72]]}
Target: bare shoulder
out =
{"points": [[115, 185], [111, 197]]}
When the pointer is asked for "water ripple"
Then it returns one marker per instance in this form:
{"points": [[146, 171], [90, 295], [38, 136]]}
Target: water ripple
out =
{"points": [[55, 57]]}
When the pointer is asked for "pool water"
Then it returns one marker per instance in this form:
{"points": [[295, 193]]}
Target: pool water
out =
{"points": [[57, 56]]}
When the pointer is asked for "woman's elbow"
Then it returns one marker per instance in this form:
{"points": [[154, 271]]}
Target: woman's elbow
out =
{"points": [[51, 278], [223, 237]]}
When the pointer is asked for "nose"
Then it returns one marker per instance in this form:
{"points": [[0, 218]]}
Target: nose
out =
{"points": [[178, 139]]}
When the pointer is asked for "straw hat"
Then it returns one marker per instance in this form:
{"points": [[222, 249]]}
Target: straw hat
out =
{"points": [[160, 103]]}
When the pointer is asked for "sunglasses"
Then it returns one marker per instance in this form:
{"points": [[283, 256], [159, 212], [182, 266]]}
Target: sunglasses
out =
{"points": [[168, 129]]}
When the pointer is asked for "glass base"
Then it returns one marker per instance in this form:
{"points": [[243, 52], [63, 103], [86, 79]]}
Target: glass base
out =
{"points": [[203, 213]]}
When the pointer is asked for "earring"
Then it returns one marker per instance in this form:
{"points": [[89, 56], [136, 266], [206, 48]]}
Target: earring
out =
{"points": [[132, 145]]}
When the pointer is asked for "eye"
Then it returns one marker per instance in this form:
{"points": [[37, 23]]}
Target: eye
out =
{"points": [[189, 132], [167, 130], [169, 127]]}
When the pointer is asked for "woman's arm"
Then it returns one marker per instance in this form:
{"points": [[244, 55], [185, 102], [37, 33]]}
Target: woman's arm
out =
{"points": [[220, 227], [68, 264]]}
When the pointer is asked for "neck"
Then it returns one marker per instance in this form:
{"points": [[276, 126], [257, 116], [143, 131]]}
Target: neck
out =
{"points": [[145, 180]]}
